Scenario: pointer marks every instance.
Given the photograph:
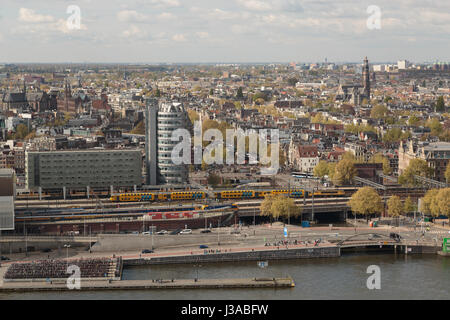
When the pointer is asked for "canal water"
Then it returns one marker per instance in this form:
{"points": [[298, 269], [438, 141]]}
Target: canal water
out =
{"points": [[402, 277]]}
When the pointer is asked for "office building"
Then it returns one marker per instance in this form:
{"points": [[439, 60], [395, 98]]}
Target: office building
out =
{"points": [[162, 119], [83, 169], [7, 194]]}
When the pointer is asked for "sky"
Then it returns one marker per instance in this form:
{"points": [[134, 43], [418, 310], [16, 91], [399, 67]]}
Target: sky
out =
{"points": [[227, 31]]}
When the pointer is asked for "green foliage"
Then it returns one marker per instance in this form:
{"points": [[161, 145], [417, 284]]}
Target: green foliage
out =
{"points": [[436, 202], [344, 172], [435, 126], [395, 206], [409, 206], [193, 115], [240, 94], [357, 129], [278, 206], [416, 167], [379, 158], [379, 112], [440, 104], [213, 179], [321, 169], [292, 81], [366, 201], [395, 135], [21, 132], [139, 129], [447, 173]]}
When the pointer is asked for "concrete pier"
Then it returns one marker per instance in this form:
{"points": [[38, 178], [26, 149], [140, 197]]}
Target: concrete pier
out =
{"points": [[151, 284]]}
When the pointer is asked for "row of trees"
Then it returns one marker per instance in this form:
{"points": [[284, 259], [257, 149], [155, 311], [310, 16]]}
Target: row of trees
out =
{"points": [[436, 202], [365, 201]]}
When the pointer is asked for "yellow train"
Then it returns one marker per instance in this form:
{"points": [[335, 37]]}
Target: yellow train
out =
{"points": [[153, 196], [226, 194]]}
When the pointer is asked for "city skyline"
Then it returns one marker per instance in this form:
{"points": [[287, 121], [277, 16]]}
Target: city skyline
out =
{"points": [[197, 31]]}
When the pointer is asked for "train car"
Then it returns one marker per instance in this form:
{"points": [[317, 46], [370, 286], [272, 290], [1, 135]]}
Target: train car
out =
{"points": [[327, 193], [235, 194], [187, 195], [292, 193], [132, 197]]}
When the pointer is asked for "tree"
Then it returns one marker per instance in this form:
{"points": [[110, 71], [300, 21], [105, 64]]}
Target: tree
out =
{"points": [[331, 170], [240, 94], [292, 81], [447, 173], [413, 121], [379, 158], [409, 205], [428, 204], [193, 115], [278, 206], [213, 179], [344, 172], [321, 169], [435, 126], [349, 156], [21, 132], [443, 201], [366, 201], [395, 206], [440, 104], [395, 135], [416, 167], [318, 118], [436, 202], [379, 112], [139, 129]]}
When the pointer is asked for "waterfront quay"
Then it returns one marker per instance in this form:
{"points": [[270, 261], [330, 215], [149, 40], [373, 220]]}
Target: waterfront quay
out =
{"points": [[152, 284]]}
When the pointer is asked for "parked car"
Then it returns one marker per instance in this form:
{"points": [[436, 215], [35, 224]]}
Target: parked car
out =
{"points": [[205, 231], [46, 250], [3, 258], [175, 231], [147, 251], [186, 231], [146, 233], [162, 232], [395, 236], [203, 246]]}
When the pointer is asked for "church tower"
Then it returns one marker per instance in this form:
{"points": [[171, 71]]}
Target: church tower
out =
{"points": [[366, 78]]}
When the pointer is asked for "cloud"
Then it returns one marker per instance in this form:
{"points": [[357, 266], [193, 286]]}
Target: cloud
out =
{"points": [[271, 5], [202, 34], [162, 3], [179, 38], [131, 16], [29, 16], [165, 16], [133, 31]]}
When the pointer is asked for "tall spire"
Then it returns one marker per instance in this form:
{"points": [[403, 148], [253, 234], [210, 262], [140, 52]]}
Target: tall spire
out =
{"points": [[366, 78]]}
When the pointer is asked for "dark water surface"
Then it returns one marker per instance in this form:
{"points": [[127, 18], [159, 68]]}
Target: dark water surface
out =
{"points": [[402, 277]]}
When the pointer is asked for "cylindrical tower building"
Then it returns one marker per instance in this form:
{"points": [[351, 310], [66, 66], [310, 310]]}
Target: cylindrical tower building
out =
{"points": [[171, 116]]}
